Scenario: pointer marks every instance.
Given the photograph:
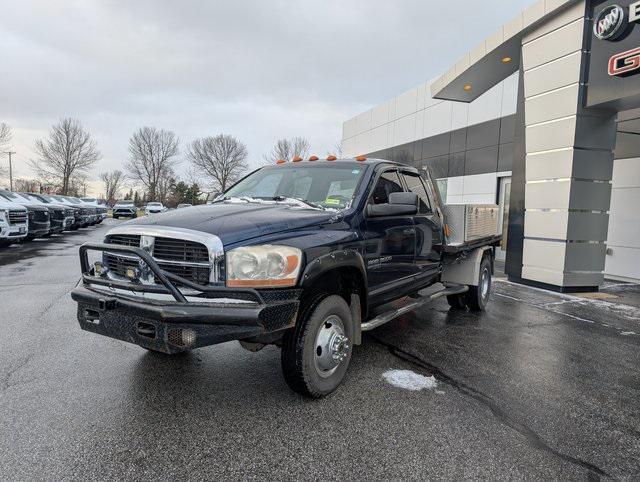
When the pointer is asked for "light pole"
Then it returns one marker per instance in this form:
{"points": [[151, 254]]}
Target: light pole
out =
{"points": [[10, 169]]}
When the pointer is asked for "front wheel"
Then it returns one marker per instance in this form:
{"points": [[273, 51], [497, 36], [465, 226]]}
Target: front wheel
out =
{"points": [[316, 353], [478, 296]]}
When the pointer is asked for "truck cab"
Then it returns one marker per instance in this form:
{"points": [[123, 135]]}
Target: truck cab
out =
{"points": [[295, 254]]}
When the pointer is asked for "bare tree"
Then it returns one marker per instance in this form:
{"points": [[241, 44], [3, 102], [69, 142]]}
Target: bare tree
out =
{"points": [[287, 149], [113, 181], [222, 159], [5, 137], [5, 143], [165, 182], [152, 154], [26, 185], [67, 153], [336, 151]]}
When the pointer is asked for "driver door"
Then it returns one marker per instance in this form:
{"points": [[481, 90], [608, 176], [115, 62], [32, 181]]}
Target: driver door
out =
{"points": [[390, 241]]}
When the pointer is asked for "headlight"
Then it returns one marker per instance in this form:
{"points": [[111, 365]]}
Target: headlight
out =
{"points": [[263, 266], [4, 215]]}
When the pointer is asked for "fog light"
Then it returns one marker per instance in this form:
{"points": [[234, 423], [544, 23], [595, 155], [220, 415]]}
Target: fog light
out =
{"points": [[188, 337], [99, 269], [133, 274], [182, 338]]}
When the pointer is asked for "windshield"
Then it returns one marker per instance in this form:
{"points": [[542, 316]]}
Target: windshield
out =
{"points": [[73, 200], [321, 186], [9, 195], [27, 197], [88, 199], [41, 198], [124, 203], [154, 204]]}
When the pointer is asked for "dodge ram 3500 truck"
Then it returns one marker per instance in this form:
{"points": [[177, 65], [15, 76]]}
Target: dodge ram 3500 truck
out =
{"points": [[297, 254]]}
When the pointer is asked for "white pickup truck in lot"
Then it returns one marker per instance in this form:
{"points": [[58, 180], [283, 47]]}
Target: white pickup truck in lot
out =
{"points": [[14, 224]]}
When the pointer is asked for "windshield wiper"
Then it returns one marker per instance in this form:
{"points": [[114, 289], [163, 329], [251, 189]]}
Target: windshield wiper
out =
{"points": [[308, 203]]}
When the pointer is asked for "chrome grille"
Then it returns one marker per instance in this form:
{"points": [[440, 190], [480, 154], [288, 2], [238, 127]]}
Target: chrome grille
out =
{"points": [[17, 217], [187, 259], [196, 274], [180, 250], [118, 264], [124, 239]]}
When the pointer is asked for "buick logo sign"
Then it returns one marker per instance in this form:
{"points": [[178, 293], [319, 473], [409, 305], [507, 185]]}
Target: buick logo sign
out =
{"points": [[609, 23]]}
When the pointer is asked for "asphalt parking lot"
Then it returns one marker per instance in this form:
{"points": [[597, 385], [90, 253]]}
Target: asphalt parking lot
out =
{"points": [[539, 386]]}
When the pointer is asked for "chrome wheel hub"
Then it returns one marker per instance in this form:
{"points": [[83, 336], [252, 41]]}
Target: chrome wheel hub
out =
{"points": [[484, 284], [331, 346]]}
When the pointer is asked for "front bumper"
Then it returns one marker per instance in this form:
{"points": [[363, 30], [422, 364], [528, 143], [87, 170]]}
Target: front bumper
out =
{"points": [[157, 316], [13, 231], [124, 212]]}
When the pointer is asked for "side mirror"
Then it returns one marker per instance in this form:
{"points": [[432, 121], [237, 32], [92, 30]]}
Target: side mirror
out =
{"points": [[400, 204]]}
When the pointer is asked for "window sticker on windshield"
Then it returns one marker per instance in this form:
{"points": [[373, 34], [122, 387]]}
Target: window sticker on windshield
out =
{"points": [[355, 171], [332, 201]]}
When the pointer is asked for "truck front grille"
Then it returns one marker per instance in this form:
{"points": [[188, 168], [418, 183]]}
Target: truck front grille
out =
{"points": [[41, 216], [58, 215], [187, 259], [180, 250], [124, 239], [118, 264], [17, 217]]}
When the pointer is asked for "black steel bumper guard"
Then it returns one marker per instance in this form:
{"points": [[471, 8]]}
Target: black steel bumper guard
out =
{"points": [[114, 308]]}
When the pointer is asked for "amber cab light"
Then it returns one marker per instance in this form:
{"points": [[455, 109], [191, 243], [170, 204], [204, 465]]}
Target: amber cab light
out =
{"points": [[280, 161], [297, 159], [331, 158], [361, 158], [313, 158]]}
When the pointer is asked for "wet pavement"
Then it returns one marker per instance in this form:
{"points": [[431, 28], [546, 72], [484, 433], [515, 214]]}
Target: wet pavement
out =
{"points": [[541, 385]]}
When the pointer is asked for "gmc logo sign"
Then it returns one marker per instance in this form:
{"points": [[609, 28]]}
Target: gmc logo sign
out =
{"points": [[624, 63]]}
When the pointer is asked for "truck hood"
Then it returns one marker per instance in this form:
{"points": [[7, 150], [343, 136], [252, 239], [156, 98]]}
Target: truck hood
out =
{"points": [[234, 223]]}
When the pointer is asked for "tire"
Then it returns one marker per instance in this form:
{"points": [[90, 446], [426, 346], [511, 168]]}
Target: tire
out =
{"points": [[457, 302], [478, 296], [307, 364], [115, 216]]}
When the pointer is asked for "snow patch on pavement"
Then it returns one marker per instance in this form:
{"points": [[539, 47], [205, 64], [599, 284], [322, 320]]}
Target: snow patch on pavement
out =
{"points": [[628, 333], [409, 380]]}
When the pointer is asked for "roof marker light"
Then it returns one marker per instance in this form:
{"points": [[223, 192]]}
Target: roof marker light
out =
{"points": [[506, 60], [297, 159], [281, 161], [313, 158], [467, 87], [331, 158], [361, 158]]}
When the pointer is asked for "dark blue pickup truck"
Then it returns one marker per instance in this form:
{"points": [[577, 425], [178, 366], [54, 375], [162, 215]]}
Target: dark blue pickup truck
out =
{"points": [[296, 254]]}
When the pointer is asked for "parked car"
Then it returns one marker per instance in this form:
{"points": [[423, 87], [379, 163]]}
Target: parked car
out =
{"points": [[86, 212], [184, 205], [57, 213], [154, 208], [65, 215], [76, 222], [39, 218], [296, 255], [13, 222], [101, 207], [91, 209], [124, 208]]}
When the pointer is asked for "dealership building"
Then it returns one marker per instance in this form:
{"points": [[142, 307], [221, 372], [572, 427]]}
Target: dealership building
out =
{"points": [[543, 119]]}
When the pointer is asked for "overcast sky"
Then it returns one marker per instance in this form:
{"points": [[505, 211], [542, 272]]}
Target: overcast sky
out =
{"points": [[258, 70]]}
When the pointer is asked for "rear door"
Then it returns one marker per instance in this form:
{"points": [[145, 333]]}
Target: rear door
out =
{"points": [[390, 241], [427, 227]]}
